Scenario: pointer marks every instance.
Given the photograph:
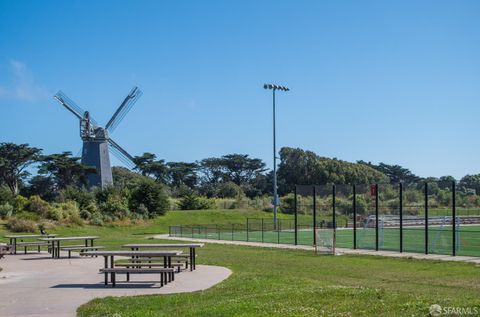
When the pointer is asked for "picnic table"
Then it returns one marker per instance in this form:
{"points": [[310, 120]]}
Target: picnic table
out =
{"points": [[167, 255], [55, 243], [191, 246], [13, 238]]}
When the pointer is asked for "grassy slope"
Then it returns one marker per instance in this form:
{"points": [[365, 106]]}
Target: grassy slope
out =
{"points": [[271, 282]]}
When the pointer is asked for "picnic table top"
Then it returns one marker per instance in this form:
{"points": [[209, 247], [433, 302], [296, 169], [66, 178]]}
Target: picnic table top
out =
{"points": [[30, 236], [153, 253], [69, 238], [163, 245]]}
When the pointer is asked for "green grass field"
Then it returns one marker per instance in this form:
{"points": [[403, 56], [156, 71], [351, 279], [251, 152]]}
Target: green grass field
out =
{"points": [[275, 282]]}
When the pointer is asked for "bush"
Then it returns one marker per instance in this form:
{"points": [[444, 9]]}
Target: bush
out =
{"points": [[20, 203], [194, 202], [74, 219], [82, 197], [55, 214], [112, 203], [116, 207], [97, 219], [85, 214], [21, 225], [141, 212], [229, 190], [151, 196], [27, 215], [6, 195], [287, 204], [60, 211], [38, 206], [6, 210]]}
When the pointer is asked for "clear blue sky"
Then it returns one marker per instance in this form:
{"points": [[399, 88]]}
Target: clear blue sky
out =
{"points": [[383, 81]]}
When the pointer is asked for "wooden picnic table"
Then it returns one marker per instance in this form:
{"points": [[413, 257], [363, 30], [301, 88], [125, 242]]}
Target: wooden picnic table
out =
{"points": [[191, 246], [167, 255], [13, 238], [57, 240]]}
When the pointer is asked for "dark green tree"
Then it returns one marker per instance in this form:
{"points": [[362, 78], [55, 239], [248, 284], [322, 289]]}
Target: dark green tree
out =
{"points": [[182, 174], [148, 165], [65, 170], [152, 196], [14, 159], [471, 182], [445, 182]]}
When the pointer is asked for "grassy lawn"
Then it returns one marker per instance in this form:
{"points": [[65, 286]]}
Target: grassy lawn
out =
{"points": [[273, 282]]}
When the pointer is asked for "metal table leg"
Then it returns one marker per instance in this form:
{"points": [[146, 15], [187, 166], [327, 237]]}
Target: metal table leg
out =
{"points": [[106, 266], [112, 276]]}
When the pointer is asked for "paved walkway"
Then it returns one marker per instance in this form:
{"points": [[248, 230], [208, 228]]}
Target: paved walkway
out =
{"points": [[468, 259], [35, 285]]}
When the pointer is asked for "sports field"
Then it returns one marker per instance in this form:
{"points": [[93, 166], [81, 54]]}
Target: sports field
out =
{"points": [[440, 239]]}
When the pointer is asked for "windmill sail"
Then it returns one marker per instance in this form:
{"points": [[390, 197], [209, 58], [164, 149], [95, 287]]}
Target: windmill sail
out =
{"points": [[124, 108]]}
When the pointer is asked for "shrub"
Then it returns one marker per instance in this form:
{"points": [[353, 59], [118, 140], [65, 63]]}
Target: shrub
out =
{"points": [[85, 214], [141, 212], [20, 203], [82, 197], [6, 195], [287, 204], [38, 206], [21, 225], [6, 210], [194, 202], [28, 216], [152, 196], [229, 190], [115, 207], [97, 219], [74, 219], [55, 213]]}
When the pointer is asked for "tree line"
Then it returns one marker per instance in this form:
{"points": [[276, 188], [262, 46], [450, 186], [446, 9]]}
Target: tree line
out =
{"points": [[26, 169]]}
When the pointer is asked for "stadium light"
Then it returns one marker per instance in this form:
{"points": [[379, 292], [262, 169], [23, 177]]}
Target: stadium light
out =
{"points": [[275, 201]]}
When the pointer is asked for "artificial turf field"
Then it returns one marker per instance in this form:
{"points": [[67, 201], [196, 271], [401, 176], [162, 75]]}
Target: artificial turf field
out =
{"points": [[440, 238]]}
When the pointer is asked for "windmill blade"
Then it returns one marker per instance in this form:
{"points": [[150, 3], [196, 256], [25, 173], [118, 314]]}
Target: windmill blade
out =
{"points": [[71, 106], [124, 108], [121, 154]]}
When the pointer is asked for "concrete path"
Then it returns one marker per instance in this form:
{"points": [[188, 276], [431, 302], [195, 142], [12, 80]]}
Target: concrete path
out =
{"points": [[421, 256], [35, 285]]}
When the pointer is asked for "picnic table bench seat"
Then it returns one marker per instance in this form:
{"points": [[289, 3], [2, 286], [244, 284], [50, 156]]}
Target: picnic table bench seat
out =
{"points": [[25, 245], [81, 248], [166, 274], [178, 266]]}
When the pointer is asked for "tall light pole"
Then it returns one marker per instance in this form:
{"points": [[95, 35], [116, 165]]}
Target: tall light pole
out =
{"points": [[275, 196]]}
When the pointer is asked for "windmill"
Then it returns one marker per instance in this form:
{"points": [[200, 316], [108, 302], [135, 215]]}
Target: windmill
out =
{"points": [[96, 139]]}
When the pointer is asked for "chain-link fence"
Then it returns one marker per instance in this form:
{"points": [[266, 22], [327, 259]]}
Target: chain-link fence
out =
{"points": [[424, 218]]}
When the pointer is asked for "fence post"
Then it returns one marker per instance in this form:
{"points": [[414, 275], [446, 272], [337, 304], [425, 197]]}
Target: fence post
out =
{"points": [[334, 207], [401, 217], [314, 215], [454, 216], [247, 229], [354, 217], [296, 215], [376, 217], [426, 218], [262, 230], [233, 225], [181, 231], [169, 231], [278, 231]]}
